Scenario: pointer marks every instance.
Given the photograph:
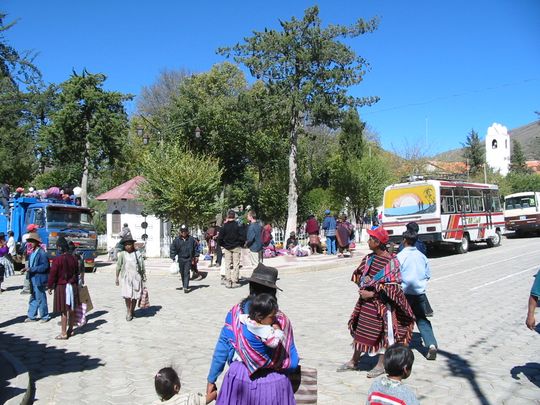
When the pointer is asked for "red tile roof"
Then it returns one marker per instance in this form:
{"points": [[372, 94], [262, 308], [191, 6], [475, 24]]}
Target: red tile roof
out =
{"points": [[125, 191]]}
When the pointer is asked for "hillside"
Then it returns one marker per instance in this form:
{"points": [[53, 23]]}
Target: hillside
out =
{"points": [[527, 135]]}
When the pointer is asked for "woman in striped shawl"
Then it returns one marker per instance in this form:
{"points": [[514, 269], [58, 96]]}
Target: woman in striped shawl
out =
{"points": [[382, 315]]}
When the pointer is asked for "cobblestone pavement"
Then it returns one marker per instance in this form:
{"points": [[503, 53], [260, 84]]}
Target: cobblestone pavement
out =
{"points": [[487, 355]]}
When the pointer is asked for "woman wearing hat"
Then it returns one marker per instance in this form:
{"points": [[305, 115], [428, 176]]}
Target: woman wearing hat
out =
{"points": [[382, 315], [38, 274], [63, 279], [256, 374], [130, 269]]}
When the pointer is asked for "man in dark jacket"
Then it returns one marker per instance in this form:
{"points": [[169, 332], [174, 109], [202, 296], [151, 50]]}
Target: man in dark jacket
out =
{"points": [[231, 239], [184, 247], [254, 239]]}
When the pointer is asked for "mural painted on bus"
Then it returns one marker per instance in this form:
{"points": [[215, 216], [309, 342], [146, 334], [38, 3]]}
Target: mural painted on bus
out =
{"points": [[410, 201]]}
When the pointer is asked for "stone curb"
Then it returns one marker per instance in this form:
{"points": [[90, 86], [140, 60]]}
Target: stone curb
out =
{"points": [[21, 381]]}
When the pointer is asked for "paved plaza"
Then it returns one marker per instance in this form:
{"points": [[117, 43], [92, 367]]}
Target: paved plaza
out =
{"points": [[487, 355]]}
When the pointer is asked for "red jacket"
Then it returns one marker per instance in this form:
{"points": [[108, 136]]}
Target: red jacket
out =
{"points": [[312, 226]]}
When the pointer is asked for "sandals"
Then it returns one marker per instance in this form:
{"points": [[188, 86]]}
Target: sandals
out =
{"points": [[375, 372], [347, 367], [61, 337]]}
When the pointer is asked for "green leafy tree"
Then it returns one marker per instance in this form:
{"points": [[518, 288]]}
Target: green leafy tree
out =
{"points": [[359, 183], [183, 187], [310, 69], [519, 182], [88, 128], [474, 153], [518, 163], [351, 138], [17, 157]]}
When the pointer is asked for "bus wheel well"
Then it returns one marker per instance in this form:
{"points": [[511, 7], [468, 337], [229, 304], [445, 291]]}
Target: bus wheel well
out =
{"points": [[463, 247]]}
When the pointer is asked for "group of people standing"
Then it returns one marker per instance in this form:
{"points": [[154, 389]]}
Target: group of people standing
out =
{"points": [[339, 233]]}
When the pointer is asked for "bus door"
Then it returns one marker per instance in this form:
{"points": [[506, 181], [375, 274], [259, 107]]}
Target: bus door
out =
{"points": [[488, 204], [462, 207]]}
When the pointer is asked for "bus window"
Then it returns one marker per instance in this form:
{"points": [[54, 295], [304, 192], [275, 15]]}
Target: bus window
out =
{"points": [[462, 200], [477, 202], [447, 201], [495, 201]]}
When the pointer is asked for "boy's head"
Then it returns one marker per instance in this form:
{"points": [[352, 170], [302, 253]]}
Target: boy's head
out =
{"points": [[167, 383], [398, 361]]}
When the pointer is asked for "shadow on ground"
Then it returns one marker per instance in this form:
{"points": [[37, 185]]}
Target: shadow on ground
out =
{"points": [[529, 370], [148, 312], [43, 360], [461, 367]]}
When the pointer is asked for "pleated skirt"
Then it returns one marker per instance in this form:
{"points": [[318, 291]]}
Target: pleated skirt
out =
{"points": [[238, 388]]}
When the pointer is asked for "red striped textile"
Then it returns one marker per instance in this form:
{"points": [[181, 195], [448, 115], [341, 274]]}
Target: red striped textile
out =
{"points": [[368, 321]]}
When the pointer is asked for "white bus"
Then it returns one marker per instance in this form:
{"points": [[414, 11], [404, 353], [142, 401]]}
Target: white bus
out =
{"points": [[448, 212], [521, 212]]}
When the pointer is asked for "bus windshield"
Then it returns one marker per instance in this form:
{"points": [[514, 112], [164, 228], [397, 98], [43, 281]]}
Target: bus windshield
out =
{"points": [[411, 200], [516, 203], [60, 217]]}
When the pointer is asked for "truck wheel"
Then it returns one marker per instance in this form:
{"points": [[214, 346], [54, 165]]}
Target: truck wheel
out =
{"points": [[463, 247], [494, 240]]}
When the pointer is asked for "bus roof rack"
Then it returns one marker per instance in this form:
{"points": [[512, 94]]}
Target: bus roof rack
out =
{"points": [[435, 176]]}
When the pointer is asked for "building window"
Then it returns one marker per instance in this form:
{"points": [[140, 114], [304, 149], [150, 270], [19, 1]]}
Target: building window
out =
{"points": [[116, 222], [494, 144]]}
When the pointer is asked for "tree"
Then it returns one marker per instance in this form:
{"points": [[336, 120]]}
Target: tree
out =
{"points": [[183, 187], [518, 163], [351, 139], [88, 128], [17, 157], [359, 183], [474, 152], [159, 95], [310, 69]]}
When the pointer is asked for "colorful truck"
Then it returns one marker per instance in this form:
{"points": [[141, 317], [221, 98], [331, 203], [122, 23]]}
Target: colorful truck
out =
{"points": [[54, 218]]}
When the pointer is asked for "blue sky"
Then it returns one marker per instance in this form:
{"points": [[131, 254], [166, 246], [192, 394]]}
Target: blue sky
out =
{"points": [[441, 68]]}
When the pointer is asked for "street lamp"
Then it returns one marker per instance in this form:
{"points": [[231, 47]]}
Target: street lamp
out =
{"points": [[198, 133], [143, 135]]}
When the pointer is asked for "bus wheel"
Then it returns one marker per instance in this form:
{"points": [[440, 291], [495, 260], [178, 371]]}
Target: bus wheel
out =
{"points": [[463, 247], [494, 240]]}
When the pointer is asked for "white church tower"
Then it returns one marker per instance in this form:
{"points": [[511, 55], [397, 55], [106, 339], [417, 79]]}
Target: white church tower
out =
{"points": [[498, 148]]}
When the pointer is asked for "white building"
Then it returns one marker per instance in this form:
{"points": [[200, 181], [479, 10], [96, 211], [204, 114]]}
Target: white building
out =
{"points": [[124, 208], [498, 148]]}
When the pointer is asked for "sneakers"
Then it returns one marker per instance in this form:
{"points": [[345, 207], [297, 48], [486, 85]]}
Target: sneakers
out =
{"points": [[235, 285], [44, 320], [27, 320], [432, 353]]}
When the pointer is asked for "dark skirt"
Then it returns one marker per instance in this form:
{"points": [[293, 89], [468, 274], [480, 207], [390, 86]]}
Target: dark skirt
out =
{"points": [[59, 304], [271, 389]]}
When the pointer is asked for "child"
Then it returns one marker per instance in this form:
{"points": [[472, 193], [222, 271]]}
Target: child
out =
{"points": [[167, 385], [261, 320], [398, 361]]}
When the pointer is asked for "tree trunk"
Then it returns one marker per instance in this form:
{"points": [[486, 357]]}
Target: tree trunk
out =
{"points": [[292, 200], [86, 167]]}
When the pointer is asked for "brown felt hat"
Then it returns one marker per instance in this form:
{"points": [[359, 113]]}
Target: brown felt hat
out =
{"points": [[264, 275], [33, 237]]}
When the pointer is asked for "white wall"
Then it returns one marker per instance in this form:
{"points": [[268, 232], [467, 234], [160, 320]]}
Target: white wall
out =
{"points": [[130, 211]]}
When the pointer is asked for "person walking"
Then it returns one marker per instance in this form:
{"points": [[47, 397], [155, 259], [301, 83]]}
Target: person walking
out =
{"points": [[415, 273], [130, 269], [344, 230], [254, 239], [64, 279], [183, 248], [5, 259], [38, 273], [329, 227], [231, 239]]}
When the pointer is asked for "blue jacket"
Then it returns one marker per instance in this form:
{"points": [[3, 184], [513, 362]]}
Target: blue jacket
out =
{"points": [[329, 225], [254, 237], [39, 266]]}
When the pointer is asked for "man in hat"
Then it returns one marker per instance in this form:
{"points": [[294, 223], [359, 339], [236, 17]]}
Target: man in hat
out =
{"points": [[38, 273], [254, 239], [183, 247], [26, 252], [415, 273], [329, 226]]}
